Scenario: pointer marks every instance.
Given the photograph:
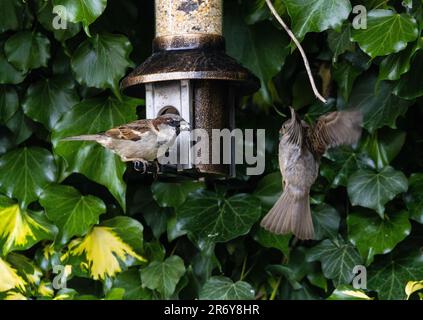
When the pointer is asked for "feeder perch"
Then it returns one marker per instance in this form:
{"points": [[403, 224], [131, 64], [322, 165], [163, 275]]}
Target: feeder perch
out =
{"points": [[190, 74]]}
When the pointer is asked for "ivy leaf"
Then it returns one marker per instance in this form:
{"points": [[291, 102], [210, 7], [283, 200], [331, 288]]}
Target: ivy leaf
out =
{"points": [[372, 235], [27, 50], [21, 229], [340, 42], [106, 249], [163, 276], [338, 260], [130, 280], [101, 61], [8, 73], [414, 197], [85, 11], [173, 194], [47, 100], [383, 146], [20, 125], [10, 15], [210, 216], [9, 102], [25, 172], [223, 288], [271, 240], [269, 189], [345, 74], [261, 48], [348, 293], [9, 278], [387, 32], [317, 15], [73, 213], [89, 158], [326, 221], [373, 190], [379, 106], [395, 65], [344, 161], [390, 275], [411, 84], [45, 16]]}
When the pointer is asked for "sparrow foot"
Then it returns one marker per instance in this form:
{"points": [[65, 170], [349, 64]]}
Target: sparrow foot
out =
{"points": [[141, 166]]}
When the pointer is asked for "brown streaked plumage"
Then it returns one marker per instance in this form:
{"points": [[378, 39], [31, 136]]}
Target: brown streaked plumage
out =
{"points": [[142, 140], [300, 150]]}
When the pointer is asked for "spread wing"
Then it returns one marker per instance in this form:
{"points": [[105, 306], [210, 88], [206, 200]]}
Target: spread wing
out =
{"points": [[131, 131], [334, 129]]}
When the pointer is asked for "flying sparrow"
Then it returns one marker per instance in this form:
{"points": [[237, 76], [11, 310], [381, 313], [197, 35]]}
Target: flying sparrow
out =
{"points": [[140, 141], [300, 149]]}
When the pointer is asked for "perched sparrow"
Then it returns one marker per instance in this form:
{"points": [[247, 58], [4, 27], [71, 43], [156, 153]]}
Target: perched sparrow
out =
{"points": [[300, 150], [140, 141]]}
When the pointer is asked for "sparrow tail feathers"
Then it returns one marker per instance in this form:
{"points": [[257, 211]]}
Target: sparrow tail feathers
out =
{"points": [[290, 214], [86, 137]]}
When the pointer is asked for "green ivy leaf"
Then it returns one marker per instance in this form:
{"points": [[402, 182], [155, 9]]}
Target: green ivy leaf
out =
{"points": [[130, 280], [372, 235], [85, 11], [395, 65], [261, 48], [102, 61], [9, 102], [8, 73], [271, 240], [379, 106], [389, 275], [27, 50], [46, 16], [269, 189], [25, 172], [373, 190], [89, 158], [338, 260], [20, 125], [317, 15], [345, 74], [383, 146], [414, 197], [10, 15], [387, 32], [73, 213], [163, 276], [340, 42], [210, 216], [223, 288], [173, 194], [21, 229], [326, 221], [411, 84], [47, 100]]}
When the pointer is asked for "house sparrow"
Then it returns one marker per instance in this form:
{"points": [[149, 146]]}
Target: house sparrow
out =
{"points": [[140, 141], [300, 150]]}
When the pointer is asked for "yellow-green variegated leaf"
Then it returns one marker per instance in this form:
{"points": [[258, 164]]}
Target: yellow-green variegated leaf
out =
{"points": [[348, 293], [107, 249], [26, 268], [412, 287], [21, 229], [9, 278], [13, 295]]}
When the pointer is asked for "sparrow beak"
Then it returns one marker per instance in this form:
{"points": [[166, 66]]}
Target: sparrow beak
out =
{"points": [[294, 116], [184, 126]]}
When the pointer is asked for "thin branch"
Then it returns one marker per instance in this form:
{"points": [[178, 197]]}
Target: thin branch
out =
{"points": [[297, 43]]}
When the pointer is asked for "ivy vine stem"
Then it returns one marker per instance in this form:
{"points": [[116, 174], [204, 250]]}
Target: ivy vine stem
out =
{"points": [[298, 44]]}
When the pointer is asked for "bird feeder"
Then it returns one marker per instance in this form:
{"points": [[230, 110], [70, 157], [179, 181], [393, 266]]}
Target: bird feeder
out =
{"points": [[190, 74]]}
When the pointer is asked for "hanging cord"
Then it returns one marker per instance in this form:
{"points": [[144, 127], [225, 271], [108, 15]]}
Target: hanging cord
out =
{"points": [[297, 43]]}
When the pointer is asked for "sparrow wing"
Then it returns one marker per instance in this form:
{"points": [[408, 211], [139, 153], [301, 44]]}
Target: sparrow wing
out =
{"points": [[131, 131], [334, 129]]}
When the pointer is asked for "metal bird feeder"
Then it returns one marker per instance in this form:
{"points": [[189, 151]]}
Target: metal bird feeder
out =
{"points": [[190, 74]]}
